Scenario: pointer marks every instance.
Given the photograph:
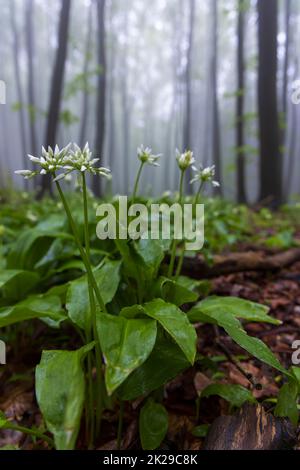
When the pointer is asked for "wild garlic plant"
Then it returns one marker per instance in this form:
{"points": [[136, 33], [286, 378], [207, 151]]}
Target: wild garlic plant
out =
{"points": [[66, 161], [138, 337]]}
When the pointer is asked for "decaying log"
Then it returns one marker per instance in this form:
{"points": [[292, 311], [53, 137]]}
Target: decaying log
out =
{"points": [[251, 429], [239, 262]]}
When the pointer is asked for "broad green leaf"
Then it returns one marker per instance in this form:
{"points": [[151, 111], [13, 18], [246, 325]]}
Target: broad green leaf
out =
{"points": [[173, 292], [287, 402], [78, 304], [236, 395], [153, 425], [60, 389], [288, 397], [47, 308], [175, 322], [126, 344], [30, 247], [133, 311], [152, 254], [16, 284], [254, 346], [239, 308], [164, 363]]}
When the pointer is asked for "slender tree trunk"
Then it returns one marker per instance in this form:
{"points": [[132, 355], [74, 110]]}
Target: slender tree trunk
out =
{"points": [[57, 84], [292, 155], [187, 134], [101, 90], [30, 45], [270, 156], [18, 74], [85, 97], [283, 136], [240, 144], [125, 107], [111, 103], [216, 138]]}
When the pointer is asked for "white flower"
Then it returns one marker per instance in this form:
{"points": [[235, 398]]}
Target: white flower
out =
{"points": [[81, 160], [185, 160], [145, 156], [26, 173], [64, 161], [204, 175]]}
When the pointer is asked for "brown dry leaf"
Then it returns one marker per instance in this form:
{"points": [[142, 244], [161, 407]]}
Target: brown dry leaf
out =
{"points": [[201, 381], [179, 429], [19, 401], [131, 434]]}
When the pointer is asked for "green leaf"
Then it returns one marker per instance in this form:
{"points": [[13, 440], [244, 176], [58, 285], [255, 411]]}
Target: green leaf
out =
{"points": [[126, 344], [239, 308], [78, 304], [164, 363], [201, 431], [254, 346], [44, 307], [152, 254], [30, 247], [175, 322], [16, 284], [173, 292], [236, 395], [287, 402], [60, 389], [3, 420], [288, 397], [153, 425]]}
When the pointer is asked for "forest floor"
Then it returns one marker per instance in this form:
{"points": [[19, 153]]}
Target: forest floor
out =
{"points": [[280, 290]]}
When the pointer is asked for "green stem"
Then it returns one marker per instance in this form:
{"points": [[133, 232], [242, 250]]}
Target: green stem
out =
{"points": [[30, 432], [175, 242], [81, 250], [136, 184], [180, 263], [93, 312], [198, 193], [120, 425]]}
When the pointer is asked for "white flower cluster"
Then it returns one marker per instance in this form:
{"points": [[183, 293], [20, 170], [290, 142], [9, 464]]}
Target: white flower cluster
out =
{"points": [[205, 175], [185, 160], [145, 156], [66, 160]]}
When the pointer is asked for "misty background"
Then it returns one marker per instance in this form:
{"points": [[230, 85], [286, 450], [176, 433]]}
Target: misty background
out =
{"points": [[213, 76]]}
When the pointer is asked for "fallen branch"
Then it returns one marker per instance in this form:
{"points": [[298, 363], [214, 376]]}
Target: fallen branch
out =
{"points": [[239, 262], [250, 429]]}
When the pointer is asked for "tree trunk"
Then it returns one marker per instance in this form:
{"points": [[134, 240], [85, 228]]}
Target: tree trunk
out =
{"points": [[18, 74], [270, 156], [216, 140], [187, 135], [29, 15], [125, 107], [57, 84], [111, 103], [85, 98], [241, 191], [100, 110]]}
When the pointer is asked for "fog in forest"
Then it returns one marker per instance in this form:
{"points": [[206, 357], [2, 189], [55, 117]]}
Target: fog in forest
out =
{"points": [[218, 77]]}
